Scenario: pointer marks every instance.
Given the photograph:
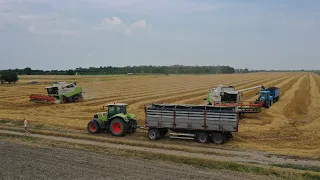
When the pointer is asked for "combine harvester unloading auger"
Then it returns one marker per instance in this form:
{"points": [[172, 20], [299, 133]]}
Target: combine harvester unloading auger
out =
{"points": [[59, 92]]}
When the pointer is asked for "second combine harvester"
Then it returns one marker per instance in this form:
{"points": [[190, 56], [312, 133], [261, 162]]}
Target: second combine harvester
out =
{"points": [[59, 92]]}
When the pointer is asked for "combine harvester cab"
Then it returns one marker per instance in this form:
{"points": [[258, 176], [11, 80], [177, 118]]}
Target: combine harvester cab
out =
{"points": [[59, 92]]}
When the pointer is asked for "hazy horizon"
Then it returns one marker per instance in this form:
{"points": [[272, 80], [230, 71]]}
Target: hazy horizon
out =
{"points": [[56, 34]]}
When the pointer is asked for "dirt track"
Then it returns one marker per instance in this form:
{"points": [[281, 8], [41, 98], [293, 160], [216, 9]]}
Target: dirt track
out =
{"points": [[223, 154], [26, 162]]}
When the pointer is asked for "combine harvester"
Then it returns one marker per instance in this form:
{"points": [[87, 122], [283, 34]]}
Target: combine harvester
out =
{"points": [[229, 96], [59, 92]]}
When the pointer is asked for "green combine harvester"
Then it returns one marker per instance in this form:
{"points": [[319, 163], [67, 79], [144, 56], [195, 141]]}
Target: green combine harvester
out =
{"points": [[59, 92], [116, 120]]}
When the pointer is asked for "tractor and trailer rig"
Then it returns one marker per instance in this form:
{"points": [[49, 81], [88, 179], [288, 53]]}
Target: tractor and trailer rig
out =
{"points": [[199, 122]]}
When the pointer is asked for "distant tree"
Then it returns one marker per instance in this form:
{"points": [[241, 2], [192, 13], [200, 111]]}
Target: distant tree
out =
{"points": [[9, 76], [71, 72], [246, 70], [27, 71], [226, 70], [1, 80]]}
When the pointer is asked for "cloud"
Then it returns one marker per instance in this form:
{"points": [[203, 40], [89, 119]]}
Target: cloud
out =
{"points": [[44, 31], [115, 24], [155, 6], [44, 24], [138, 25], [29, 15]]}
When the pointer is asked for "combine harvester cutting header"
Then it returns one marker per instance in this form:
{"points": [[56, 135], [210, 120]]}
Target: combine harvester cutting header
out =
{"points": [[59, 92]]}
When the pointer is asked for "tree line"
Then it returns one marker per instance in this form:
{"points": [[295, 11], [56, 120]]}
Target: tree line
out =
{"points": [[175, 69], [11, 75]]}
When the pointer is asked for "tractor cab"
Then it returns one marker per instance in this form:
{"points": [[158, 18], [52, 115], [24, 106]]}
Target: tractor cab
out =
{"points": [[264, 95], [119, 108]]}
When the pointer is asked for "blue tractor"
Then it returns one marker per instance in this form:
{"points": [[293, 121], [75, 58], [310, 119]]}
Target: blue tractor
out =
{"points": [[269, 96]]}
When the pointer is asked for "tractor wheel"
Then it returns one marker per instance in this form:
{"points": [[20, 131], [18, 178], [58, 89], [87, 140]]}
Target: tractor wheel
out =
{"points": [[154, 134], [118, 127], [93, 127], [218, 138], [202, 137], [268, 104]]}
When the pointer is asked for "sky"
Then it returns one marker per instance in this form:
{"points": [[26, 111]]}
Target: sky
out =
{"points": [[64, 34]]}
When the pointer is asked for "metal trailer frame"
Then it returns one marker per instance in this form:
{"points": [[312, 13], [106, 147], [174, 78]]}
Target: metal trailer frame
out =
{"points": [[198, 122]]}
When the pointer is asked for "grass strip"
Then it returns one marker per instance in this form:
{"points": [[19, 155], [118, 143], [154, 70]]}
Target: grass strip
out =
{"points": [[295, 166]]}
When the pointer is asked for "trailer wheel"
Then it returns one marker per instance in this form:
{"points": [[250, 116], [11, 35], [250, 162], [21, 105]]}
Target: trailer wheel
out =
{"points": [[153, 134], [218, 138], [202, 137], [118, 127], [163, 132], [93, 127]]}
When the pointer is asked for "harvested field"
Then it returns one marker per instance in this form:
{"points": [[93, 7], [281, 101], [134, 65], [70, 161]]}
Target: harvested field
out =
{"points": [[288, 127]]}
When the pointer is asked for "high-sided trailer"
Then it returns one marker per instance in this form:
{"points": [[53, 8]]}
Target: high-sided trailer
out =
{"points": [[198, 122]]}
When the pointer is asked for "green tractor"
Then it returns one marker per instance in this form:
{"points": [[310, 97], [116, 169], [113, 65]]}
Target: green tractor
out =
{"points": [[116, 120]]}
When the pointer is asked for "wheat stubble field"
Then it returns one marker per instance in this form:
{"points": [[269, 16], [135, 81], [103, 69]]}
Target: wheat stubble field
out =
{"points": [[291, 126]]}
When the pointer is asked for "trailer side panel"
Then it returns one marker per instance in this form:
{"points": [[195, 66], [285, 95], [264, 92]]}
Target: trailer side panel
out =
{"points": [[188, 117]]}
